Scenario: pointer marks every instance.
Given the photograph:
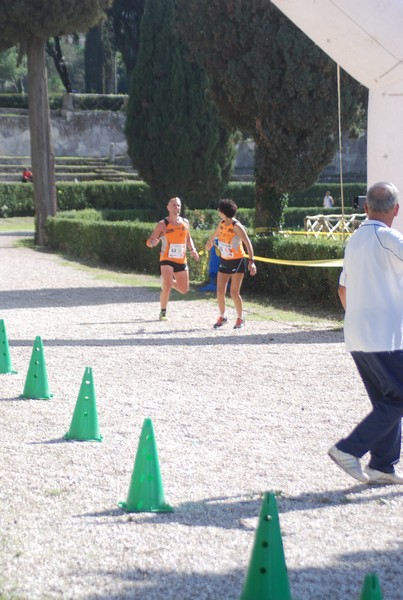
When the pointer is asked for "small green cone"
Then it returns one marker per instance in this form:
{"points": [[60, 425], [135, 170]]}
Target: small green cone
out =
{"points": [[371, 588], [267, 578], [146, 493], [5, 359], [36, 383], [84, 424]]}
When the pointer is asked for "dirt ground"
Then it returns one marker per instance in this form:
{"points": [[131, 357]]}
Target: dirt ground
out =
{"points": [[235, 414]]}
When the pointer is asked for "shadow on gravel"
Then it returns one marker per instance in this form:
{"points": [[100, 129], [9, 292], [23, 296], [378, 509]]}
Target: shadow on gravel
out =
{"points": [[232, 339], [341, 581], [230, 513], [86, 296], [17, 233]]}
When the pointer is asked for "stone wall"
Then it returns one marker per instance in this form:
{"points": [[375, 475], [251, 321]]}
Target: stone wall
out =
{"points": [[78, 133], [101, 133]]}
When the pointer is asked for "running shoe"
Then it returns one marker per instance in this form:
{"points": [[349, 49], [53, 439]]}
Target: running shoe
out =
{"points": [[163, 316], [220, 322], [239, 323], [375, 476], [349, 463]]}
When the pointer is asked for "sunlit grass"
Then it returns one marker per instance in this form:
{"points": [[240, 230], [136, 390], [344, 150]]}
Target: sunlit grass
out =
{"points": [[17, 224]]}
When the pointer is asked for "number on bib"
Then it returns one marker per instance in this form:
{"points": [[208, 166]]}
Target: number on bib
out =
{"points": [[225, 250], [177, 251]]}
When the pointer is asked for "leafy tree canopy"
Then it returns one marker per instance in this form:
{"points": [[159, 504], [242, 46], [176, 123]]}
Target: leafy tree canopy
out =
{"points": [[20, 19], [270, 80]]}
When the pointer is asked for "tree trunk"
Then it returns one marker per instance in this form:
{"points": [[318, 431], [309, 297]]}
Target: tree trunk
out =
{"points": [[269, 203], [42, 154]]}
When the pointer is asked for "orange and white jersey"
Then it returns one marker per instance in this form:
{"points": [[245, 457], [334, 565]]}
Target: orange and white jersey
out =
{"points": [[229, 242], [173, 242]]}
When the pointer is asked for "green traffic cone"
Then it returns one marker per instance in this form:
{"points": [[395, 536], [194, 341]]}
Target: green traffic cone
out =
{"points": [[267, 577], [146, 493], [36, 383], [371, 588], [5, 359], [84, 424]]}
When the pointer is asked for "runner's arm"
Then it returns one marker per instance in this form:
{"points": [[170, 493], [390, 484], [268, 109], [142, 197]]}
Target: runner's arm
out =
{"points": [[156, 234]]}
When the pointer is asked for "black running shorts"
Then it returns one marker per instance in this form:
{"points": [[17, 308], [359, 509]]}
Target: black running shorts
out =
{"points": [[231, 267], [177, 267]]}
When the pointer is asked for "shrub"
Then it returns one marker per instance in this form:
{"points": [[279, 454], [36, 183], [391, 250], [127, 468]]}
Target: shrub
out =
{"points": [[120, 244]]}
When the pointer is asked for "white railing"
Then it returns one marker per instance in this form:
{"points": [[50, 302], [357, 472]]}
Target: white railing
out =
{"points": [[332, 226]]}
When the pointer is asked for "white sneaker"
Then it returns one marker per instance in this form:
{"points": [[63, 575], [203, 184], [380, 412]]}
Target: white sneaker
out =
{"points": [[349, 463], [375, 476]]}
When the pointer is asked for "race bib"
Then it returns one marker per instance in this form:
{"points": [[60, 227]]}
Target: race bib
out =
{"points": [[177, 251], [226, 250]]}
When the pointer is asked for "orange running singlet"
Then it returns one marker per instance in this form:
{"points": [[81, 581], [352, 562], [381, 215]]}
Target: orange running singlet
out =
{"points": [[229, 242], [173, 243]]}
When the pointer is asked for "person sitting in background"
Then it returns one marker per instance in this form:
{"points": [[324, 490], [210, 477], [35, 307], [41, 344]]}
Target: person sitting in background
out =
{"points": [[26, 175]]}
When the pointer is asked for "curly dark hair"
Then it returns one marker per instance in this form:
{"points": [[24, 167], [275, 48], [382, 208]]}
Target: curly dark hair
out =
{"points": [[227, 207]]}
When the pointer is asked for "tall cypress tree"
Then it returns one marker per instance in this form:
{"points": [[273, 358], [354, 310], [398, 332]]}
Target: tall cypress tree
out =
{"points": [[94, 61], [175, 137]]}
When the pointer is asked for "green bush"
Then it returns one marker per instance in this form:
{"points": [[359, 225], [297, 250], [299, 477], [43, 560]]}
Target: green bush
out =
{"points": [[316, 284], [121, 244], [242, 193], [80, 101], [16, 200], [135, 195], [21, 101], [103, 195], [113, 102]]}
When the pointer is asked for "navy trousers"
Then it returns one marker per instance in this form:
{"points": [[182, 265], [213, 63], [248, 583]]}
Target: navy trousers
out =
{"points": [[380, 431]]}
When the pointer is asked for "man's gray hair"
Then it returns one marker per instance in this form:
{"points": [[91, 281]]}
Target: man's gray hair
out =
{"points": [[382, 197]]}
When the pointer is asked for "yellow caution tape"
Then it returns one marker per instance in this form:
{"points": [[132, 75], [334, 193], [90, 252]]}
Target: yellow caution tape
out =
{"points": [[337, 262], [305, 233]]}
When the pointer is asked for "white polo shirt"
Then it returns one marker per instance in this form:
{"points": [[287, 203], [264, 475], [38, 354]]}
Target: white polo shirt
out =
{"points": [[373, 277]]}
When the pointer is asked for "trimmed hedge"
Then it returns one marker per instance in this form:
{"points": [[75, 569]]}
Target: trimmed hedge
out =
{"points": [[312, 284], [17, 199], [129, 195], [200, 219], [123, 245], [111, 102], [21, 101], [119, 244], [313, 196]]}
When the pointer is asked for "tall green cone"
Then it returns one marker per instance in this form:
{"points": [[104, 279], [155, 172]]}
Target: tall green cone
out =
{"points": [[5, 359], [36, 383], [267, 577], [146, 493], [371, 588], [84, 424]]}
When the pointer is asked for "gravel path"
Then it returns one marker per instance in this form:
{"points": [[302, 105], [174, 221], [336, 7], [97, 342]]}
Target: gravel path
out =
{"points": [[235, 414]]}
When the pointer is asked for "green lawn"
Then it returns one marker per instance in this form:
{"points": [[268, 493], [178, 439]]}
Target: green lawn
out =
{"points": [[17, 224]]}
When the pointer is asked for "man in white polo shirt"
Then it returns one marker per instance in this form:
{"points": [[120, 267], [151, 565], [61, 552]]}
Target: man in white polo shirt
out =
{"points": [[371, 292]]}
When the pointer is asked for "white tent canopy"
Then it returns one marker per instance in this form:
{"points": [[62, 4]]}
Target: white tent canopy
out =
{"points": [[365, 38]]}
